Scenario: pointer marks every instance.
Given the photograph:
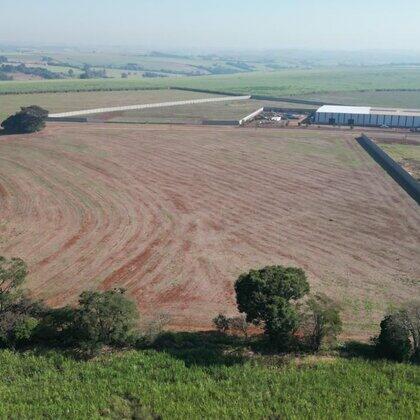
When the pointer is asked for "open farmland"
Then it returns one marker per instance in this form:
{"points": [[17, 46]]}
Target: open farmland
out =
{"points": [[278, 83], [196, 113], [174, 214], [395, 99], [73, 101]]}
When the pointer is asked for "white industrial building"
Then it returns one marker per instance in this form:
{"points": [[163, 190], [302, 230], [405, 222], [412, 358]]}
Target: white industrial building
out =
{"points": [[367, 116]]}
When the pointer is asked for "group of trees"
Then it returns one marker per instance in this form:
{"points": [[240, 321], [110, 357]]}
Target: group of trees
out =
{"points": [[272, 299], [33, 71], [28, 120], [91, 73], [275, 298], [100, 318]]}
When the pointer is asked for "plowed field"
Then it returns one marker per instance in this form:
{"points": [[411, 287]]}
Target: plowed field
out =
{"points": [[175, 213]]}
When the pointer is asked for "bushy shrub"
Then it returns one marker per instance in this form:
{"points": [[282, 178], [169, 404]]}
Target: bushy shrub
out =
{"points": [[235, 325], [399, 338], [56, 328], [221, 322], [238, 326], [101, 318], [104, 318], [19, 315], [394, 340], [322, 321]]}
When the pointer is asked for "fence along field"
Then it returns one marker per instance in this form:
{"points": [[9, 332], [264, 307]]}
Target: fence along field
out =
{"points": [[175, 214]]}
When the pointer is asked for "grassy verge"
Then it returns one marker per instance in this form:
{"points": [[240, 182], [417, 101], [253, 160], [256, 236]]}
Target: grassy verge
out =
{"points": [[407, 155], [188, 380]]}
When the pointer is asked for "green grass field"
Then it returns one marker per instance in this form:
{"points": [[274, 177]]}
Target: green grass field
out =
{"points": [[276, 83], [393, 99], [406, 155], [73, 101], [143, 384], [234, 110], [402, 151]]}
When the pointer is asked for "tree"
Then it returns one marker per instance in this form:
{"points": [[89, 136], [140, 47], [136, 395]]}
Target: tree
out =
{"points": [[5, 76], [265, 297], [57, 327], [35, 110], [412, 319], [323, 321], [104, 318], [221, 322], [234, 325], [28, 120], [394, 340], [400, 333], [281, 322], [238, 325], [70, 72], [19, 315]]}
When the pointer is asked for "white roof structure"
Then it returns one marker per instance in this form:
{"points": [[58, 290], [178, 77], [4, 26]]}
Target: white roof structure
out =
{"points": [[360, 110], [334, 109]]}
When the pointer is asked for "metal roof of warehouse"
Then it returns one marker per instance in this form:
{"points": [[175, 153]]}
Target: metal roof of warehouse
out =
{"points": [[336, 109]]}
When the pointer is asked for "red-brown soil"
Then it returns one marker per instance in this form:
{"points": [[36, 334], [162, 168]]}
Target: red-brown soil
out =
{"points": [[175, 213]]}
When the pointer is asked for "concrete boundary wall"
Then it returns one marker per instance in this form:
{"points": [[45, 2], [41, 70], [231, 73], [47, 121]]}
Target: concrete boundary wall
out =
{"points": [[220, 122], [291, 100], [68, 119], [147, 106], [400, 175]]}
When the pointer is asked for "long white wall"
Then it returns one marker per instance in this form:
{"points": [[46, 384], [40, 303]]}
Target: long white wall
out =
{"points": [[147, 106]]}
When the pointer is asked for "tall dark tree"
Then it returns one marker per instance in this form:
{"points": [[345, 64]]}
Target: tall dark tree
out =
{"points": [[400, 334], [267, 297], [28, 120], [394, 340]]}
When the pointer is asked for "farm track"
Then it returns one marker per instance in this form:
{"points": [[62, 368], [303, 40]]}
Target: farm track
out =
{"points": [[175, 214]]}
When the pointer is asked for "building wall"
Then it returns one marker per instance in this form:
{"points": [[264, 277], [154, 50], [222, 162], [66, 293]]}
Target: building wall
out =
{"points": [[374, 120]]}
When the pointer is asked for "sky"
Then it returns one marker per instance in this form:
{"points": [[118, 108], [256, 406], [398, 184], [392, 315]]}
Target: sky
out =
{"points": [[214, 24]]}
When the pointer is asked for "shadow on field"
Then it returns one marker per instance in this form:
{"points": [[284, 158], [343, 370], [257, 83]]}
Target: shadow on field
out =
{"points": [[353, 349], [202, 348]]}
